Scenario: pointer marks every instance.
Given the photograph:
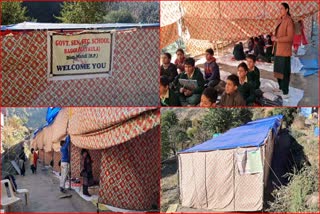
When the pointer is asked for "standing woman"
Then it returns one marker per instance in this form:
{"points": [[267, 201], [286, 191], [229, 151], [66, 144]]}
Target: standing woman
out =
{"points": [[86, 171], [283, 49], [33, 158], [299, 36]]}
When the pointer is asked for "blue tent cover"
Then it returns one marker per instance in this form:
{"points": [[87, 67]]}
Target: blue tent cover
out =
{"points": [[52, 112], [252, 134]]}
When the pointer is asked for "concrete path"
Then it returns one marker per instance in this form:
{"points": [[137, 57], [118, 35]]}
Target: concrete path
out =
{"points": [[44, 194]]}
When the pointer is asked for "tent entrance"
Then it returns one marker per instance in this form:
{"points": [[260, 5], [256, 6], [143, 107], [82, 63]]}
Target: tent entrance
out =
{"points": [[77, 180]]}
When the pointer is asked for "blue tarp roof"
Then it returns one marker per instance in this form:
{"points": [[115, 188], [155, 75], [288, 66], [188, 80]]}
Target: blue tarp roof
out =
{"points": [[52, 112], [251, 134], [306, 112], [63, 26]]}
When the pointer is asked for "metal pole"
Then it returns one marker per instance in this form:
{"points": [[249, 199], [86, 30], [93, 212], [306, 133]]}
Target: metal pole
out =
{"points": [[69, 164]]}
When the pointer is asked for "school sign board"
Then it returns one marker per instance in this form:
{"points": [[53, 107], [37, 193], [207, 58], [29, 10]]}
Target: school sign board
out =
{"points": [[79, 54]]}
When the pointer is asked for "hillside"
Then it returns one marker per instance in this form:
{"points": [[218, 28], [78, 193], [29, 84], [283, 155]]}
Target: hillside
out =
{"points": [[33, 118], [144, 12], [191, 113], [43, 11]]}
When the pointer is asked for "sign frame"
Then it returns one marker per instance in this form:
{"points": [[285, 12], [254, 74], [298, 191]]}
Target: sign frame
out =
{"points": [[51, 76]]}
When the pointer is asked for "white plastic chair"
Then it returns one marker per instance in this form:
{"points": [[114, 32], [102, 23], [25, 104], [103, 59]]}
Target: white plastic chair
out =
{"points": [[26, 194], [7, 195], [21, 191]]}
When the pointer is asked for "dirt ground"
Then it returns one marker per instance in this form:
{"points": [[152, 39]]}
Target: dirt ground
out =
{"points": [[44, 194]]}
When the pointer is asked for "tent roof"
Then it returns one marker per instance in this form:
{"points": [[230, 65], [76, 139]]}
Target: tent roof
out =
{"points": [[226, 21], [252, 134], [63, 26], [52, 112], [95, 128]]}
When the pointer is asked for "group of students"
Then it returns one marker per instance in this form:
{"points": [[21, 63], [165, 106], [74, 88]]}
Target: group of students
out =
{"points": [[261, 48], [33, 160], [239, 90]]}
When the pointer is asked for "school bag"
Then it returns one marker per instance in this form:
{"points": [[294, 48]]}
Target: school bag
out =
{"points": [[270, 99]]}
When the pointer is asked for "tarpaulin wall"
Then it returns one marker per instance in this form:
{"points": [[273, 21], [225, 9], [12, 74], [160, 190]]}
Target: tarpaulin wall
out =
{"points": [[170, 15], [41, 154], [209, 22], [75, 161], [56, 159], [134, 80], [220, 187], [48, 157], [130, 173]]}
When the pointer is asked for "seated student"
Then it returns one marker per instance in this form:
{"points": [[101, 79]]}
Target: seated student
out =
{"points": [[167, 96], [211, 69], [253, 72], [231, 96], [268, 45], [167, 68], [246, 89], [269, 48], [191, 96], [261, 41], [258, 49], [238, 52], [209, 98], [179, 62], [250, 45]]}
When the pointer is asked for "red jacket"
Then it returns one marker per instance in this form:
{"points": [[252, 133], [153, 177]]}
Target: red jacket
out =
{"points": [[35, 158]]}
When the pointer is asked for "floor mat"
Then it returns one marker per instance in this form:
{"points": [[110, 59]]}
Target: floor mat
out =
{"points": [[268, 86]]}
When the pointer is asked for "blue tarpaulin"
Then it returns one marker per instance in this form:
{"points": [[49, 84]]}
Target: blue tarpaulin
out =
{"points": [[310, 66], [52, 112], [252, 134], [310, 63], [316, 131], [306, 112]]}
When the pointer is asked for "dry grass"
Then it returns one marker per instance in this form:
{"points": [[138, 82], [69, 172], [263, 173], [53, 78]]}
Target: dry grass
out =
{"points": [[303, 184], [169, 187]]}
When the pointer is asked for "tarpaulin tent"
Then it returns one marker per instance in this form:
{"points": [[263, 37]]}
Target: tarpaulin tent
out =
{"points": [[134, 79], [229, 172], [124, 145], [203, 22], [56, 159]]}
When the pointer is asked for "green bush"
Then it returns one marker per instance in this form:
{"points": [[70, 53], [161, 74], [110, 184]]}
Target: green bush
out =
{"points": [[120, 16], [293, 197], [13, 13]]}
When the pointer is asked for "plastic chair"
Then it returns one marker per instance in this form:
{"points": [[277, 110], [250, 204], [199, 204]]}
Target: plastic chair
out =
{"points": [[26, 194], [7, 195], [21, 191]]}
